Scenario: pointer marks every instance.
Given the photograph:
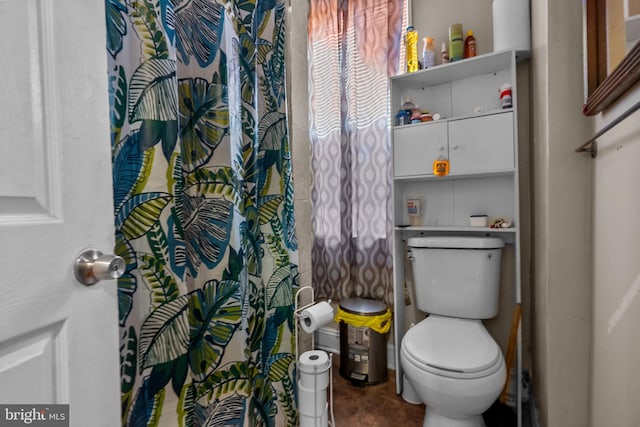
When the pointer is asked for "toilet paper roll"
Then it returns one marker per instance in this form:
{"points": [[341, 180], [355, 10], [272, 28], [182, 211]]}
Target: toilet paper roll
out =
{"points": [[511, 26], [311, 403], [316, 316], [314, 370]]}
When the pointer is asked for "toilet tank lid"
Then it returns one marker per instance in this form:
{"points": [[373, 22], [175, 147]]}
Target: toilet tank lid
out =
{"points": [[456, 242]]}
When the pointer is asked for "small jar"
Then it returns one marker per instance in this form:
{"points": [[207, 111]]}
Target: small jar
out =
{"points": [[505, 96]]}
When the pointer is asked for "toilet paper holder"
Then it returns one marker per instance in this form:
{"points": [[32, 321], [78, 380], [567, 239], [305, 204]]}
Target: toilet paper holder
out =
{"points": [[297, 314], [298, 311]]}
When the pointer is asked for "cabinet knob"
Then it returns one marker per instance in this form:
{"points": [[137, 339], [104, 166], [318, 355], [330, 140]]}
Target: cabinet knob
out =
{"points": [[441, 148], [455, 147]]}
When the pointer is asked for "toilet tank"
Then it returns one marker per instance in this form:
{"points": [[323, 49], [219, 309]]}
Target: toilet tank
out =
{"points": [[457, 276]]}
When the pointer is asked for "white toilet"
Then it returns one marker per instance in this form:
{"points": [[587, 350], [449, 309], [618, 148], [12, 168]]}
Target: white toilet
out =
{"points": [[450, 359]]}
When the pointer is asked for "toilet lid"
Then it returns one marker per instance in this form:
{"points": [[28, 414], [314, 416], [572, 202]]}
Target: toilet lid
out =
{"points": [[451, 344]]}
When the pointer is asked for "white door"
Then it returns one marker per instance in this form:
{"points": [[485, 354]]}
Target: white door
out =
{"points": [[58, 338]]}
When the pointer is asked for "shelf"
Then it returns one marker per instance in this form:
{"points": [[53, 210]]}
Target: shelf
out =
{"points": [[451, 119], [461, 228], [504, 172], [470, 67]]}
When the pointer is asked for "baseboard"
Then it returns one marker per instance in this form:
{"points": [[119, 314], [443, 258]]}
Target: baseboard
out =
{"points": [[328, 339]]}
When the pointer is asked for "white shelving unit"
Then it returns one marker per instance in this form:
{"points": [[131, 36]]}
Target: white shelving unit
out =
{"points": [[481, 142]]}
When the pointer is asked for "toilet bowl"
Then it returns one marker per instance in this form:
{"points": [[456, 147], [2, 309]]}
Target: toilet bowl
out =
{"points": [[456, 368], [449, 358]]}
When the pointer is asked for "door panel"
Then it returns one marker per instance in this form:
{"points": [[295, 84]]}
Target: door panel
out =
{"points": [[24, 130], [415, 147], [58, 339], [481, 144]]}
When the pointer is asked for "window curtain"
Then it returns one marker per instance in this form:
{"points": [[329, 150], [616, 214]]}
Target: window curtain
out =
{"points": [[354, 46], [203, 212]]}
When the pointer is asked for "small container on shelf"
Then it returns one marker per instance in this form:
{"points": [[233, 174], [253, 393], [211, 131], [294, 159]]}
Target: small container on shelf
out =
{"points": [[456, 48], [414, 210], [428, 53], [478, 220], [470, 45], [444, 55], [505, 96], [402, 118], [412, 49], [405, 113], [416, 116]]}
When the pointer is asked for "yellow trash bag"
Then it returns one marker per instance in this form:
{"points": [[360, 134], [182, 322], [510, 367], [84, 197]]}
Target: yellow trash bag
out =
{"points": [[380, 323]]}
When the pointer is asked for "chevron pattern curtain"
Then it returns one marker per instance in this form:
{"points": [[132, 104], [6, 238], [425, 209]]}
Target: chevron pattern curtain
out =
{"points": [[354, 46]]}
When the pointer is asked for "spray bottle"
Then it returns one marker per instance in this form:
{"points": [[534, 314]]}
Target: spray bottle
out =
{"points": [[428, 54]]}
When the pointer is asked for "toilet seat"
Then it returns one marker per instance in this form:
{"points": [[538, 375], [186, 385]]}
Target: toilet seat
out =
{"points": [[452, 348]]}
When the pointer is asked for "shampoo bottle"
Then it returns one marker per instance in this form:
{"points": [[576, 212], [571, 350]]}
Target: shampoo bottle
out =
{"points": [[470, 45], [428, 54]]}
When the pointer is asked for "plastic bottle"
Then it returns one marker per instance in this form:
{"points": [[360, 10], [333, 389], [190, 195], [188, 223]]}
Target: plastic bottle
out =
{"points": [[469, 45], [428, 54], [402, 118], [506, 100], [444, 55], [455, 42], [412, 49]]}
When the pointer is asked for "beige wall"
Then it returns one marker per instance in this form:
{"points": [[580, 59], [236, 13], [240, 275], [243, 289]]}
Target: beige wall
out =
{"points": [[298, 100], [299, 126], [432, 18]]}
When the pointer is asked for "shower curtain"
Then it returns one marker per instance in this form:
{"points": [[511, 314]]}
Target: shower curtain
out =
{"points": [[204, 218]]}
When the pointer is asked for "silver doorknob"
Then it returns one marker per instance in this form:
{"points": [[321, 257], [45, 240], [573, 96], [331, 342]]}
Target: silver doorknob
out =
{"points": [[91, 266]]}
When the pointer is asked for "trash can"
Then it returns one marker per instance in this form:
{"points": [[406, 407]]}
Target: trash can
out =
{"points": [[364, 328]]}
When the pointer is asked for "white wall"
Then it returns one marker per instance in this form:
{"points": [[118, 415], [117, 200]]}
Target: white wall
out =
{"points": [[615, 382], [562, 216]]}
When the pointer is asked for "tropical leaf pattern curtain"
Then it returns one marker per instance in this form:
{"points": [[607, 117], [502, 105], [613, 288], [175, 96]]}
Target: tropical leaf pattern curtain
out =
{"points": [[203, 200], [354, 46]]}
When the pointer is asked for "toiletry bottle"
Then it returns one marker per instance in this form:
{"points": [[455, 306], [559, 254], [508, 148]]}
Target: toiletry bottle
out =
{"points": [[469, 45], [412, 49], [506, 100], [455, 42], [428, 54], [444, 55]]}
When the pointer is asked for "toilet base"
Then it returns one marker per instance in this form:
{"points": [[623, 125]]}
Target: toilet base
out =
{"points": [[432, 419]]}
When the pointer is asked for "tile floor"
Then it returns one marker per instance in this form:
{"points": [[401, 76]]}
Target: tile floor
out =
{"points": [[372, 405]]}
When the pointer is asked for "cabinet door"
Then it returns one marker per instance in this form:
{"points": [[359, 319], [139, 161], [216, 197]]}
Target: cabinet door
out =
{"points": [[415, 147], [481, 144]]}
